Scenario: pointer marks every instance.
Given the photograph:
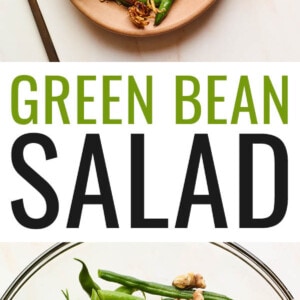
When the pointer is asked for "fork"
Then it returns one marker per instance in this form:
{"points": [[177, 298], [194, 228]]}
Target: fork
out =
{"points": [[43, 30]]}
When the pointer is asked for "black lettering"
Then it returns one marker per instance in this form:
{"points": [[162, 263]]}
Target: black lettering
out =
{"points": [[246, 180], [32, 177], [138, 219], [201, 147], [92, 149]]}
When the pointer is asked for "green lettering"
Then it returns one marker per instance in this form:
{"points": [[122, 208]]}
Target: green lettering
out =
{"points": [[181, 98], [81, 99], [107, 99], [212, 99], [33, 116], [134, 92], [244, 88], [60, 98], [269, 92]]}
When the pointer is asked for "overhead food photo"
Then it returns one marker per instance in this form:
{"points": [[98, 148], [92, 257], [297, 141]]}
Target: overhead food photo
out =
{"points": [[149, 30], [137, 271], [128, 17]]}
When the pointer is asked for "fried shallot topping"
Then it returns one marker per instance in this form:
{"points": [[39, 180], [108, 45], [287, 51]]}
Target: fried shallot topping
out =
{"points": [[139, 13], [189, 280]]}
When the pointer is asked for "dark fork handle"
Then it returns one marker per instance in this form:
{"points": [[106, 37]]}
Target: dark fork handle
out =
{"points": [[43, 30]]}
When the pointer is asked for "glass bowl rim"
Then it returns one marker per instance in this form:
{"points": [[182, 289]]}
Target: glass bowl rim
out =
{"points": [[234, 248]]}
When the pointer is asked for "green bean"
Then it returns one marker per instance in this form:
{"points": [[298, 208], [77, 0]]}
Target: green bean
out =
{"points": [[155, 288], [95, 292], [164, 8], [156, 2], [115, 295], [95, 295], [214, 296], [126, 289], [148, 287], [85, 279]]}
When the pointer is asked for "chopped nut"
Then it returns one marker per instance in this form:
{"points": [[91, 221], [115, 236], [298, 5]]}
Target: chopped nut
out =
{"points": [[189, 280], [183, 281], [198, 295], [199, 281]]}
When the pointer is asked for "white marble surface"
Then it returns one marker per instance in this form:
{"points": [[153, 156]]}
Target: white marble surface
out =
{"points": [[282, 258], [232, 30]]}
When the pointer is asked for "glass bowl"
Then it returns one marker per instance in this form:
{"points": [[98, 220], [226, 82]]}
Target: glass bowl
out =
{"points": [[228, 269]]}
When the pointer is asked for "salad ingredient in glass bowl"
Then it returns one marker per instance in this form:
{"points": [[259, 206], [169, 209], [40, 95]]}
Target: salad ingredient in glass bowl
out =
{"points": [[186, 286]]}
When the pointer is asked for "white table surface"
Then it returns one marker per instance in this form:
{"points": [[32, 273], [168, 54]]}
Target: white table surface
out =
{"points": [[232, 30], [282, 258]]}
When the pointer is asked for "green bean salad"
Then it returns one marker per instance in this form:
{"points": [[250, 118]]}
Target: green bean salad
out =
{"points": [[189, 286], [141, 11]]}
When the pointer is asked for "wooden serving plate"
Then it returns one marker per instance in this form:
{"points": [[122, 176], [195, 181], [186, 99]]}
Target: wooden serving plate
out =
{"points": [[114, 17]]}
